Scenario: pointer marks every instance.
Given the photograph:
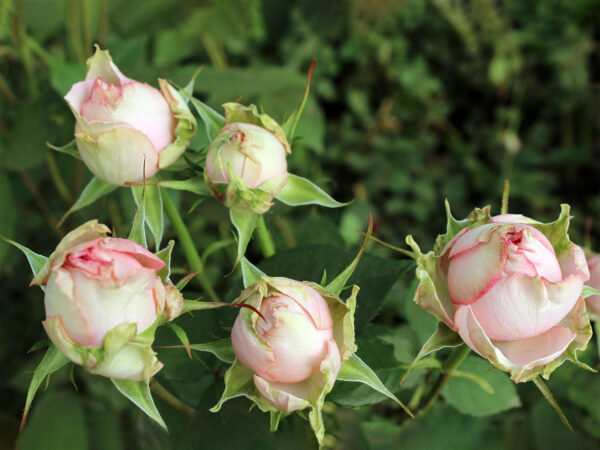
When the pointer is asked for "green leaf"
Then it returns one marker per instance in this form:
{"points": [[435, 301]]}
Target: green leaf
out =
{"points": [[336, 286], [182, 336], [94, 190], [588, 291], [52, 361], [222, 349], [244, 222], [213, 121], [69, 148], [58, 422], [35, 260], [300, 191], [355, 370], [153, 210], [139, 393], [138, 227], [250, 273], [496, 391], [289, 126]]}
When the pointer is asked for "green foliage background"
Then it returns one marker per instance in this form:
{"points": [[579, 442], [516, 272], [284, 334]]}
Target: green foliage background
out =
{"points": [[411, 102]]}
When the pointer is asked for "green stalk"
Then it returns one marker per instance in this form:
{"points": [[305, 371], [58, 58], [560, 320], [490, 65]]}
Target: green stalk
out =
{"points": [[189, 249], [505, 193], [455, 359], [265, 239], [162, 393]]}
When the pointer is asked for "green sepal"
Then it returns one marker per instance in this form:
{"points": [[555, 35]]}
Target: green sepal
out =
{"points": [[557, 231], [185, 128], [250, 273], [35, 260], [442, 337], [301, 191], [244, 222], [52, 361], [182, 336], [275, 418], [70, 149], [588, 291], [93, 191], [338, 284], [165, 256], [239, 381], [213, 121], [195, 185], [289, 126], [139, 393]]}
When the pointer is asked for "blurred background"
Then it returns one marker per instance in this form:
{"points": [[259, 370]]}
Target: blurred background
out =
{"points": [[412, 102]]}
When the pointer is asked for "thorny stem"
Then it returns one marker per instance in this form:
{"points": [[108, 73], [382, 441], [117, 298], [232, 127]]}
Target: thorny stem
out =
{"points": [[455, 359], [189, 249], [265, 239], [162, 393]]}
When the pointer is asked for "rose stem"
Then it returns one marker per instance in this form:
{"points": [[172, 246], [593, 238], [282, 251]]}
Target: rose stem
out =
{"points": [[550, 398], [57, 179], [189, 249], [158, 390], [505, 192], [455, 359], [265, 239]]}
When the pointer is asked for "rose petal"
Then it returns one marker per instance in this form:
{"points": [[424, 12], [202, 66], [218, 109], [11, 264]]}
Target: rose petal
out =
{"points": [[119, 155], [144, 108], [541, 349], [144, 256], [476, 263], [106, 305], [60, 301], [520, 307]]}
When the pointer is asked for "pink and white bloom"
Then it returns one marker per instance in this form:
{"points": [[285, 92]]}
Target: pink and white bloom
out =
{"points": [[246, 163], [126, 129], [593, 301], [296, 346], [511, 287], [103, 298]]}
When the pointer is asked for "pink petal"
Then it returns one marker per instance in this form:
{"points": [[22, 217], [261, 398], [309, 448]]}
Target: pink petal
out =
{"points": [[308, 298], [541, 349], [119, 155], [593, 301], [520, 307], [61, 300], [145, 109], [476, 264], [144, 256], [79, 94]]}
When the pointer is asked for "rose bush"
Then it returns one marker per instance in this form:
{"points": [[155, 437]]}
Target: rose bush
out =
{"points": [[126, 129], [511, 287], [103, 300], [593, 301], [246, 163]]}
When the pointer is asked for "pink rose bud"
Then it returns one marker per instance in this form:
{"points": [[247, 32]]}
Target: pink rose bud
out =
{"points": [[511, 287], [593, 301], [101, 294], [291, 345], [126, 129], [246, 164]]}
